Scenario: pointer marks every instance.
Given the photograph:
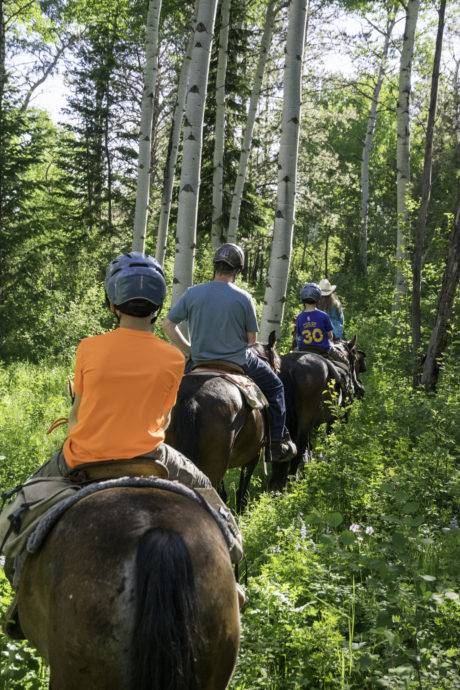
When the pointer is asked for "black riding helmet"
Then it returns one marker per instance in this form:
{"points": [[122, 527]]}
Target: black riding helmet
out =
{"points": [[230, 254]]}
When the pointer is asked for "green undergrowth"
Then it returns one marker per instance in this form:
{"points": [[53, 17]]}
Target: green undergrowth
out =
{"points": [[353, 574]]}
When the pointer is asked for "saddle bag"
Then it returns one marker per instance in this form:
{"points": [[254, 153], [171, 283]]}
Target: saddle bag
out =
{"points": [[27, 503]]}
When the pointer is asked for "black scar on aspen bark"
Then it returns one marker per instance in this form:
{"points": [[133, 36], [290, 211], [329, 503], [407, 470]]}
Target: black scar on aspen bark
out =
{"points": [[147, 138], [175, 281], [200, 27], [194, 89], [193, 246], [198, 45], [295, 120], [279, 214], [187, 188], [286, 178], [191, 137], [186, 122]]}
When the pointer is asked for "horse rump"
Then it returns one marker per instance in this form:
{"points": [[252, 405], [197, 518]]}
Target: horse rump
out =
{"points": [[166, 632]]}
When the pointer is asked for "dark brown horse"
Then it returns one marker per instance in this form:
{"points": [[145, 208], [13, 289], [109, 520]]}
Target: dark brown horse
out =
{"points": [[133, 590], [213, 426], [312, 395]]}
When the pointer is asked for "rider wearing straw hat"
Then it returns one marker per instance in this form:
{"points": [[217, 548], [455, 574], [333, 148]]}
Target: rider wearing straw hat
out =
{"points": [[330, 304]]}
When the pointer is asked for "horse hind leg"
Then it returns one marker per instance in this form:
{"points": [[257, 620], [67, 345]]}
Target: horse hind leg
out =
{"points": [[245, 477]]}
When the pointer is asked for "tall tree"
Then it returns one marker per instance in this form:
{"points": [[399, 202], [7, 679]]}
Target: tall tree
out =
{"points": [[438, 339], [173, 147], [189, 188], [219, 131], [420, 230], [145, 135], [249, 128], [280, 256], [368, 142], [403, 145]]}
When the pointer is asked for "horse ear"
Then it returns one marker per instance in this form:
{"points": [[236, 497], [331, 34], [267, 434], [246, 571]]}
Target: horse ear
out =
{"points": [[352, 342], [272, 340]]}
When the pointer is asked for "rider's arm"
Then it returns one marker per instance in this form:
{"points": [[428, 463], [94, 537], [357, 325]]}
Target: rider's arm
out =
{"points": [[73, 416], [252, 337], [172, 331]]}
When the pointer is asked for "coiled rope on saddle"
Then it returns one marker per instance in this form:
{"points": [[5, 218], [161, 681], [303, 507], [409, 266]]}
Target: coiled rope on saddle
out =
{"points": [[51, 517]]}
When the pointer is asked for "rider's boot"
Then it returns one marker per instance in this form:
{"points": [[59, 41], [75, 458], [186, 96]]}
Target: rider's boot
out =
{"points": [[284, 450]]}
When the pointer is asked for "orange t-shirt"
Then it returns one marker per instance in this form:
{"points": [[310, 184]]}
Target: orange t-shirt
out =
{"points": [[128, 382]]}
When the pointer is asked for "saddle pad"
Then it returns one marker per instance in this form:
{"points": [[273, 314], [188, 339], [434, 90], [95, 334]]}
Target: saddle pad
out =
{"points": [[50, 518], [251, 392]]}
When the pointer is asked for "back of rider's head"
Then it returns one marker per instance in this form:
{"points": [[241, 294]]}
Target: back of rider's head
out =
{"points": [[228, 259], [310, 293], [135, 285]]}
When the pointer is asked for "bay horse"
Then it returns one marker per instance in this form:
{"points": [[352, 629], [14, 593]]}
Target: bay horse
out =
{"points": [[214, 427], [312, 394], [133, 589]]}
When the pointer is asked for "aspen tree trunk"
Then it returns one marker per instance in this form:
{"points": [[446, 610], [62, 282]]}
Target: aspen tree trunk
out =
{"points": [[219, 134], [2, 119], [275, 292], [438, 339], [426, 193], [249, 129], [367, 148], [145, 134], [191, 158], [173, 148], [403, 146]]}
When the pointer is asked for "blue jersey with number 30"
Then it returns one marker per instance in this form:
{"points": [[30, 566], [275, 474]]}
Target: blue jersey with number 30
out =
{"points": [[312, 328]]}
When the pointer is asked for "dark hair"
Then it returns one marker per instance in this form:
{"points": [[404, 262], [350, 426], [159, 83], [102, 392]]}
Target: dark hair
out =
{"points": [[137, 307], [224, 269], [310, 300]]}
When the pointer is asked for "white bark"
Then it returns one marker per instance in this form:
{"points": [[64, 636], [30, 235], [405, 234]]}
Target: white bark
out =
{"points": [[145, 134], [173, 149], [367, 147], [403, 146], [275, 292], [191, 159], [219, 134], [249, 129]]}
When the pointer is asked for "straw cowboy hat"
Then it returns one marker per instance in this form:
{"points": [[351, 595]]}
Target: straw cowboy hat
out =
{"points": [[326, 288]]}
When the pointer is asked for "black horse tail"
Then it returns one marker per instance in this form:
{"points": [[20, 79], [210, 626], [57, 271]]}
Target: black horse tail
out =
{"points": [[166, 632], [288, 379], [185, 424]]}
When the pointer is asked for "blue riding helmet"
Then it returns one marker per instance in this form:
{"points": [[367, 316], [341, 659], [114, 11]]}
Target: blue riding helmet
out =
{"points": [[310, 291], [135, 276]]}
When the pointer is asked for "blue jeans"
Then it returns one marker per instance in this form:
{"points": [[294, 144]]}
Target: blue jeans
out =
{"points": [[271, 386]]}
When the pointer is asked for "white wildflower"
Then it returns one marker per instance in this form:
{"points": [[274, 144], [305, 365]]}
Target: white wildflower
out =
{"points": [[354, 527]]}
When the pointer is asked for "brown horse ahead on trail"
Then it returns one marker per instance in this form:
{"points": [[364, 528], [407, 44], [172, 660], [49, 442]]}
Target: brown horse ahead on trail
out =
{"points": [[311, 392], [133, 590], [214, 427]]}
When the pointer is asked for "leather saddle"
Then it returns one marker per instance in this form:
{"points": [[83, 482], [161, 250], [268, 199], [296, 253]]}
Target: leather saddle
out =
{"points": [[115, 469], [233, 373]]}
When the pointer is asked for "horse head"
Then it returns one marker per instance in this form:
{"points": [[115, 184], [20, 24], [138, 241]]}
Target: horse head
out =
{"points": [[268, 352], [357, 361]]}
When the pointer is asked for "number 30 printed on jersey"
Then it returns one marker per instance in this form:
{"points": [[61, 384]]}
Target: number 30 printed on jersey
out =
{"points": [[312, 335]]}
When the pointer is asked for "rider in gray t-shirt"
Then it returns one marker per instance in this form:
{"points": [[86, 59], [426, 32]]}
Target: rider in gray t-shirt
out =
{"points": [[223, 325]]}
